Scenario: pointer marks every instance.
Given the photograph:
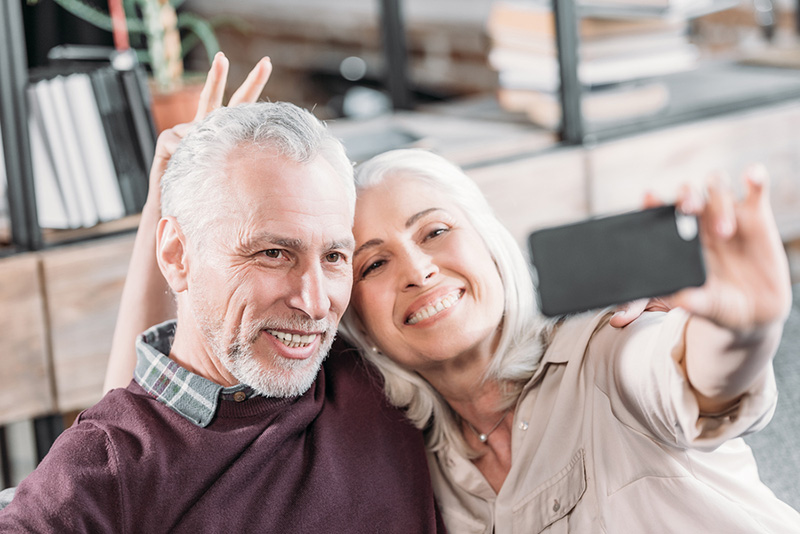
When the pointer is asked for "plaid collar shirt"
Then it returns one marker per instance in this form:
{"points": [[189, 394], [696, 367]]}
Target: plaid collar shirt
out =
{"points": [[194, 397]]}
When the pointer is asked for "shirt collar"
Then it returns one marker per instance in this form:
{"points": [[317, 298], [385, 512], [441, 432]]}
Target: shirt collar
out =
{"points": [[194, 397]]}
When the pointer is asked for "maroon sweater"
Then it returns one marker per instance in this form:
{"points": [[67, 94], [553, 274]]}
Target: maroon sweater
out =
{"points": [[337, 459]]}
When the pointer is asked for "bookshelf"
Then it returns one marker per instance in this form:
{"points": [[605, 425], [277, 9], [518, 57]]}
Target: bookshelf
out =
{"points": [[599, 69], [25, 232], [711, 90], [60, 287], [77, 140]]}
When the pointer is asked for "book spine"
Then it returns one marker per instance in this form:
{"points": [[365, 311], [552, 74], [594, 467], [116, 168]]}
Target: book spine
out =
{"points": [[123, 145]]}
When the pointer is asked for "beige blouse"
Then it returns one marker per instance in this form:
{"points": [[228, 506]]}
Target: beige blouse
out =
{"points": [[608, 438]]}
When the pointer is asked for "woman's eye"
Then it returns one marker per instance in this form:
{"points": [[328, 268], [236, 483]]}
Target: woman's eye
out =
{"points": [[371, 267], [436, 232], [273, 253]]}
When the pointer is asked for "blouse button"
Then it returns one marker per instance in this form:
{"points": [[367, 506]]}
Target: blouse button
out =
{"points": [[523, 425]]}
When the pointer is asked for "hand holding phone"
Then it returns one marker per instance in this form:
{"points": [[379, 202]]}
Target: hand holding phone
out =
{"points": [[609, 260]]}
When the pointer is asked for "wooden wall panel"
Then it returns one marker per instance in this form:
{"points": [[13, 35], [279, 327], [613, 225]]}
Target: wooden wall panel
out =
{"points": [[621, 171], [84, 284], [26, 378], [536, 191]]}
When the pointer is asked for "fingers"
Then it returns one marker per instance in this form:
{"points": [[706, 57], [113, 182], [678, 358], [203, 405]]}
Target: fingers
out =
{"points": [[651, 200], [690, 201], [626, 313], [756, 181], [214, 88], [719, 216], [252, 86], [168, 140]]}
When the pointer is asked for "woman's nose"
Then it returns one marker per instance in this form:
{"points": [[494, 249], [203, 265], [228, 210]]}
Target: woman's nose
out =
{"points": [[420, 268]]}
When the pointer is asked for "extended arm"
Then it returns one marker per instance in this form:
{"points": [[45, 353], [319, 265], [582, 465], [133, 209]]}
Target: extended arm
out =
{"points": [[738, 314], [146, 299]]}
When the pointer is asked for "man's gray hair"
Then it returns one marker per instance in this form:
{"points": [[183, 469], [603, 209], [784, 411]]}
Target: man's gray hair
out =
{"points": [[520, 347], [189, 187]]}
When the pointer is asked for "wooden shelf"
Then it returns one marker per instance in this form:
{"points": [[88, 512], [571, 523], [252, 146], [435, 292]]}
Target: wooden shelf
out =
{"points": [[712, 90], [62, 237]]}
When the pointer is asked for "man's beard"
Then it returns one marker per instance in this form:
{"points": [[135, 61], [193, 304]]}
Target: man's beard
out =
{"points": [[274, 376]]}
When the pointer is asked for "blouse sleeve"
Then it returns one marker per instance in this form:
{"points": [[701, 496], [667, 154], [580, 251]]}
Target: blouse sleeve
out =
{"points": [[639, 368]]}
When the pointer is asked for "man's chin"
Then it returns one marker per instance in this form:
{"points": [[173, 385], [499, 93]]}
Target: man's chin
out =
{"points": [[282, 378]]}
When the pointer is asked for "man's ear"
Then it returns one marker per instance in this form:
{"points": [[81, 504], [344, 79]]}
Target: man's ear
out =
{"points": [[171, 253]]}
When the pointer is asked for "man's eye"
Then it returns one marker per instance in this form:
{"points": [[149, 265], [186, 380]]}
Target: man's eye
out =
{"points": [[273, 253], [334, 257]]}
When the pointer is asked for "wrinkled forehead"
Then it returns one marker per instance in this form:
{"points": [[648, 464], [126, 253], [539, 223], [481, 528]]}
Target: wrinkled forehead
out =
{"points": [[262, 192]]}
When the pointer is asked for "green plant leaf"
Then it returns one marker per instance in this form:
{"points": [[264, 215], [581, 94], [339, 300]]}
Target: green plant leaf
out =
{"points": [[90, 14]]}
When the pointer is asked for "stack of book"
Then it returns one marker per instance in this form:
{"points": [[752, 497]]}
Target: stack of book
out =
{"points": [[620, 57], [92, 141]]}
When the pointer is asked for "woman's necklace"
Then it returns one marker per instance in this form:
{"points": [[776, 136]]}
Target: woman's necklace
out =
{"points": [[484, 437]]}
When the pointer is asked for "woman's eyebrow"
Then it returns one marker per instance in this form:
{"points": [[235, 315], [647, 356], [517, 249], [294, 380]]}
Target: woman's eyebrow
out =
{"points": [[369, 244], [410, 222], [417, 216]]}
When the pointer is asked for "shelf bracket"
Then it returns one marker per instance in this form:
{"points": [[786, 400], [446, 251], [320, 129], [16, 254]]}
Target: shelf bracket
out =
{"points": [[25, 231]]}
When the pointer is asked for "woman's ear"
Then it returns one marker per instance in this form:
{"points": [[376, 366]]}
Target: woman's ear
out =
{"points": [[171, 254]]}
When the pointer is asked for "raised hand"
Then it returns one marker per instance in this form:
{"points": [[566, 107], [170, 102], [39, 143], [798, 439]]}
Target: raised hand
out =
{"points": [[748, 283], [210, 99]]}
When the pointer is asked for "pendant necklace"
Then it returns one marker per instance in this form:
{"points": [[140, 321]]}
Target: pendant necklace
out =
{"points": [[483, 437]]}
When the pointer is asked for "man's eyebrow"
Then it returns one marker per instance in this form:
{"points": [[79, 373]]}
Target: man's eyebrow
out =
{"points": [[409, 222], [347, 244], [263, 238], [294, 243]]}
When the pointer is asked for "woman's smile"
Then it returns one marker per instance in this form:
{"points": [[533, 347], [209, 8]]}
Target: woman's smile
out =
{"points": [[433, 308]]}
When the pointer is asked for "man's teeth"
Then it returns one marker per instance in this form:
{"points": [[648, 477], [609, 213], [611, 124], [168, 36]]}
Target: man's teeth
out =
{"points": [[434, 308], [293, 341]]}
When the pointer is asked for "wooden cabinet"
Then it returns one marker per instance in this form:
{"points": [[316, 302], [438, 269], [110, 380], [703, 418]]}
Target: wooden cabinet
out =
{"points": [[26, 380], [84, 284], [57, 314]]}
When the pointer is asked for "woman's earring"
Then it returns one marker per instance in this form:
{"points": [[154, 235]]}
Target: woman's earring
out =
{"points": [[374, 349]]}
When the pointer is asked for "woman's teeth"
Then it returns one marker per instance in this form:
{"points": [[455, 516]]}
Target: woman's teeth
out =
{"points": [[434, 308], [293, 341]]}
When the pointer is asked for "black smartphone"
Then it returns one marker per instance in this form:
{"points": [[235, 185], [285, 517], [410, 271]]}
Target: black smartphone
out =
{"points": [[610, 260]]}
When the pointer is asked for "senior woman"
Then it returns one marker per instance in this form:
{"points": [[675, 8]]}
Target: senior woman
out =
{"points": [[539, 425], [570, 425]]}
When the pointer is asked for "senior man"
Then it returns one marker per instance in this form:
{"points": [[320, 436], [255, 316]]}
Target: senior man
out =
{"points": [[229, 425]]}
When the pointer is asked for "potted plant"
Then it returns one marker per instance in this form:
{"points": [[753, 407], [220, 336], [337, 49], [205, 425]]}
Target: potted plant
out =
{"points": [[155, 27]]}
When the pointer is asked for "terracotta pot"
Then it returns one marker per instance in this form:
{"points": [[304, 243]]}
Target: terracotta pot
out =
{"points": [[177, 105]]}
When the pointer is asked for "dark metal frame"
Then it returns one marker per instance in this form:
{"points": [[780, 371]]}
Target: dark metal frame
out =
{"points": [[395, 54], [25, 231], [567, 43]]}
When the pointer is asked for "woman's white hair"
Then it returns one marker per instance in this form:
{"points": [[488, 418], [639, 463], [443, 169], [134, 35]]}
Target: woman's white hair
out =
{"points": [[521, 343], [189, 186]]}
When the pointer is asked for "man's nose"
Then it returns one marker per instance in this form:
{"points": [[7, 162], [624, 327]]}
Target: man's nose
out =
{"points": [[309, 292]]}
